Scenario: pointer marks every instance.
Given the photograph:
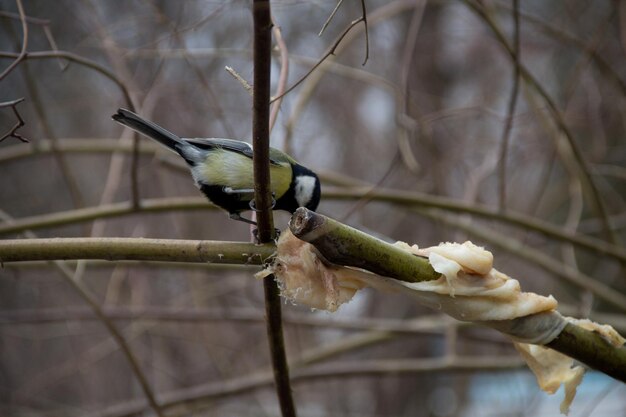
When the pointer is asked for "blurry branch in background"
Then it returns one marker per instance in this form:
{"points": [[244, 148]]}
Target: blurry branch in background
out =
{"points": [[589, 183], [330, 52], [79, 60], [284, 73], [363, 18], [35, 100], [33, 92], [432, 324], [367, 33], [199, 397], [246, 85], [196, 68], [535, 257], [506, 133], [22, 55], [313, 78], [119, 66], [407, 126], [399, 197], [45, 26], [568, 38], [12, 133], [81, 289], [424, 324], [330, 17]]}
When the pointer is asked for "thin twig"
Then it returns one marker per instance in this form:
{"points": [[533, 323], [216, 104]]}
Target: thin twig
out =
{"points": [[246, 85], [22, 55], [20, 122], [381, 14], [284, 73], [367, 35], [45, 26], [330, 52], [405, 123], [79, 60], [332, 14]]}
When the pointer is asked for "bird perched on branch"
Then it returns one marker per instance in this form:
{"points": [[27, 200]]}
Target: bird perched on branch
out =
{"points": [[222, 170]]}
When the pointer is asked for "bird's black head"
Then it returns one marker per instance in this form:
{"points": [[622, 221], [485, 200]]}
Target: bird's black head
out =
{"points": [[304, 191]]}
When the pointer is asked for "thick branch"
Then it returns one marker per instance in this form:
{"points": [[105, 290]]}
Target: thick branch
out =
{"points": [[135, 249], [343, 245], [263, 196], [260, 118]]}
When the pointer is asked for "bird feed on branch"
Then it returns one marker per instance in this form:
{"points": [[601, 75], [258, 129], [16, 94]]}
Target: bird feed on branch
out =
{"points": [[469, 289]]}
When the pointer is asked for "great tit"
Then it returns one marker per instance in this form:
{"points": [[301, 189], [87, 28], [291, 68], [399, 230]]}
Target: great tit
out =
{"points": [[222, 170]]}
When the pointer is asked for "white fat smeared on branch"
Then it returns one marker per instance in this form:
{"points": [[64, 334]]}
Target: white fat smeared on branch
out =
{"points": [[469, 289], [304, 189]]}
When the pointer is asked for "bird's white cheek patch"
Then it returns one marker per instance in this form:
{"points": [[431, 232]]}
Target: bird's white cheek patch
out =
{"points": [[305, 185]]}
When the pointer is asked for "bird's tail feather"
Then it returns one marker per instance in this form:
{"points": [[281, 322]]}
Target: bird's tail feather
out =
{"points": [[145, 127]]}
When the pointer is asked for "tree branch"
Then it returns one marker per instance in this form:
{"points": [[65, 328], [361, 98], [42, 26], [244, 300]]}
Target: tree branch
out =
{"points": [[136, 249], [22, 55], [343, 245], [12, 133], [263, 199]]}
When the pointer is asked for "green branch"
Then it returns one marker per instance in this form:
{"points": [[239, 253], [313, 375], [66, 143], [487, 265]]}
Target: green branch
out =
{"points": [[136, 249], [343, 245]]}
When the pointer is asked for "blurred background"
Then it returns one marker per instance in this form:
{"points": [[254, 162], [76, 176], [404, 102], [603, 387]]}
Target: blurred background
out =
{"points": [[430, 103]]}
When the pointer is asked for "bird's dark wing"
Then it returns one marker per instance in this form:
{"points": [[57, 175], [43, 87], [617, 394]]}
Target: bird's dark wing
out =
{"points": [[238, 146]]}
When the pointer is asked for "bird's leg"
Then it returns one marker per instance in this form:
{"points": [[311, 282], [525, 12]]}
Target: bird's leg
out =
{"points": [[253, 208], [237, 216]]}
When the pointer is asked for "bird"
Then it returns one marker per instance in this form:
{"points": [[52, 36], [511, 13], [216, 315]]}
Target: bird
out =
{"points": [[222, 170]]}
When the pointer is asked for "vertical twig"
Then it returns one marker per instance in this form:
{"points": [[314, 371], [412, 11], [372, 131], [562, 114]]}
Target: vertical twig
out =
{"points": [[367, 34], [22, 54], [260, 118], [284, 74], [506, 134], [263, 195]]}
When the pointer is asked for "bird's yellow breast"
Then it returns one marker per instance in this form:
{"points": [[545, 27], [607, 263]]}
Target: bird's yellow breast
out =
{"points": [[234, 170]]}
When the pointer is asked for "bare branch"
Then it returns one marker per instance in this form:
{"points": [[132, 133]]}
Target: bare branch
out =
{"points": [[262, 56], [20, 122], [332, 14], [246, 85], [367, 34], [330, 52], [22, 54], [284, 74], [506, 133]]}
